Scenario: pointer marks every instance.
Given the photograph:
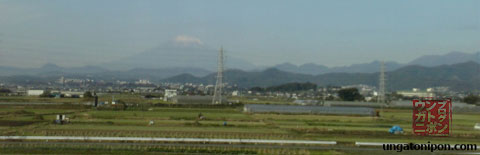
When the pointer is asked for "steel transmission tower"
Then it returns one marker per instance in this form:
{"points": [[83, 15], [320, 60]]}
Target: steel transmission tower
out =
{"points": [[381, 85], [217, 94]]}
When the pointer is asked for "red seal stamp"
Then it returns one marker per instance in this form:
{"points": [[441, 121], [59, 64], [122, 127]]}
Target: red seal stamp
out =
{"points": [[432, 117]]}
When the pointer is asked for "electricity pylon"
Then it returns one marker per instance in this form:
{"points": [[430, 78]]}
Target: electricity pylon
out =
{"points": [[381, 85], [217, 94]]}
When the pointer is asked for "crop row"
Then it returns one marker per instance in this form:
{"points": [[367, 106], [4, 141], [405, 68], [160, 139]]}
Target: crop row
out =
{"points": [[123, 148], [165, 134]]}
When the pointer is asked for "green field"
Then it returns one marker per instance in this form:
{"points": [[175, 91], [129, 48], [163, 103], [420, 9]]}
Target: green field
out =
{"points": [[182, 121]]}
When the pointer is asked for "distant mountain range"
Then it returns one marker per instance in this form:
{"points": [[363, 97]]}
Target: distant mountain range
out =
{"points": [[456, 70], [446, 59], [49, 69], [462, 76], [52, 70], [314, 69], [174, 59], [372, 67], [151, 74]]}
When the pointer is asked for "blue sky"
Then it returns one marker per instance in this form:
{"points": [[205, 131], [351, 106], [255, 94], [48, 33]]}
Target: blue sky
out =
{"points": [[263, 32]]}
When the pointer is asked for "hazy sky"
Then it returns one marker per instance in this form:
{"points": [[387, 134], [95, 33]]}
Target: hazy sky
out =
{"points": [[263, 32]]}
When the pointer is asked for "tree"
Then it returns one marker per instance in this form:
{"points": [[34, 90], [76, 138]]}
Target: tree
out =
{"points": [[293, 87], [471, 99], [150, 96], [88, 94], [125, 105], [4, 90], [46, 93], [350, 94], [257, 89], [395, 96]]}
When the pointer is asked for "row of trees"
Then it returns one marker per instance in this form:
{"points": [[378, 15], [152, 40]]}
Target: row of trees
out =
{"points": [[289, 87], [347, 94], [5, 91]]}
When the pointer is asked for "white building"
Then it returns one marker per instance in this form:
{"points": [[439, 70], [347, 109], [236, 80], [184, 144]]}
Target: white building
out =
{"points": [[417, 93], [169, 94], [35, 92], [73, 93], [144, 82], [235, 93]]}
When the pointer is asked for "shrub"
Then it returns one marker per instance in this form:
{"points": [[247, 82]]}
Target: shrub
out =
{"points": [[39, 117], [471, 99]]}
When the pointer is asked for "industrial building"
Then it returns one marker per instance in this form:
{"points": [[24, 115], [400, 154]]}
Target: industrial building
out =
{"points": [[320, 110]]}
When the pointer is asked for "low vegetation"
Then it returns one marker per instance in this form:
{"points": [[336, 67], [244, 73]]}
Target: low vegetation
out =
{"points": [[183, 121]]}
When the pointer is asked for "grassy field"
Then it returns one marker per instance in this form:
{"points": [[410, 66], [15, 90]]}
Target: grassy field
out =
{"points": [[178, 121]]}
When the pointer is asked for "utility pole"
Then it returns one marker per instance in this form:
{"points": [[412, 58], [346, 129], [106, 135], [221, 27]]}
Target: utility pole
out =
{"points": [[217, 94], [324, 95]]}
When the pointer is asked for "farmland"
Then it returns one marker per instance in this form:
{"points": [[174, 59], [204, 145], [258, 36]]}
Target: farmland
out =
{"points": [[222, 121]]}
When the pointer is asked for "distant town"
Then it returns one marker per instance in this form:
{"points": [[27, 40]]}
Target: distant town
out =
{"points": [[302, 93]]}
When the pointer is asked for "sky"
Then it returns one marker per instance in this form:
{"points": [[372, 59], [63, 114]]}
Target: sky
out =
{"points": [[266, 32]]}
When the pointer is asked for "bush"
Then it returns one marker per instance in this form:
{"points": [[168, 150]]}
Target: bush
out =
{"points": [[46, 93], [88, 94], [5, 91], [471, 99], [148, 96], [39, 117], [350, 94]]}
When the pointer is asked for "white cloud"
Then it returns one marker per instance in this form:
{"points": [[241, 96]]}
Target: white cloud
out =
{"points": [[184, 39]]}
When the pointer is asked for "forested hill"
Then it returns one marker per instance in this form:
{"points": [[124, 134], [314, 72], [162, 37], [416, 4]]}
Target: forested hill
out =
{"points": [[461, 76]]}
